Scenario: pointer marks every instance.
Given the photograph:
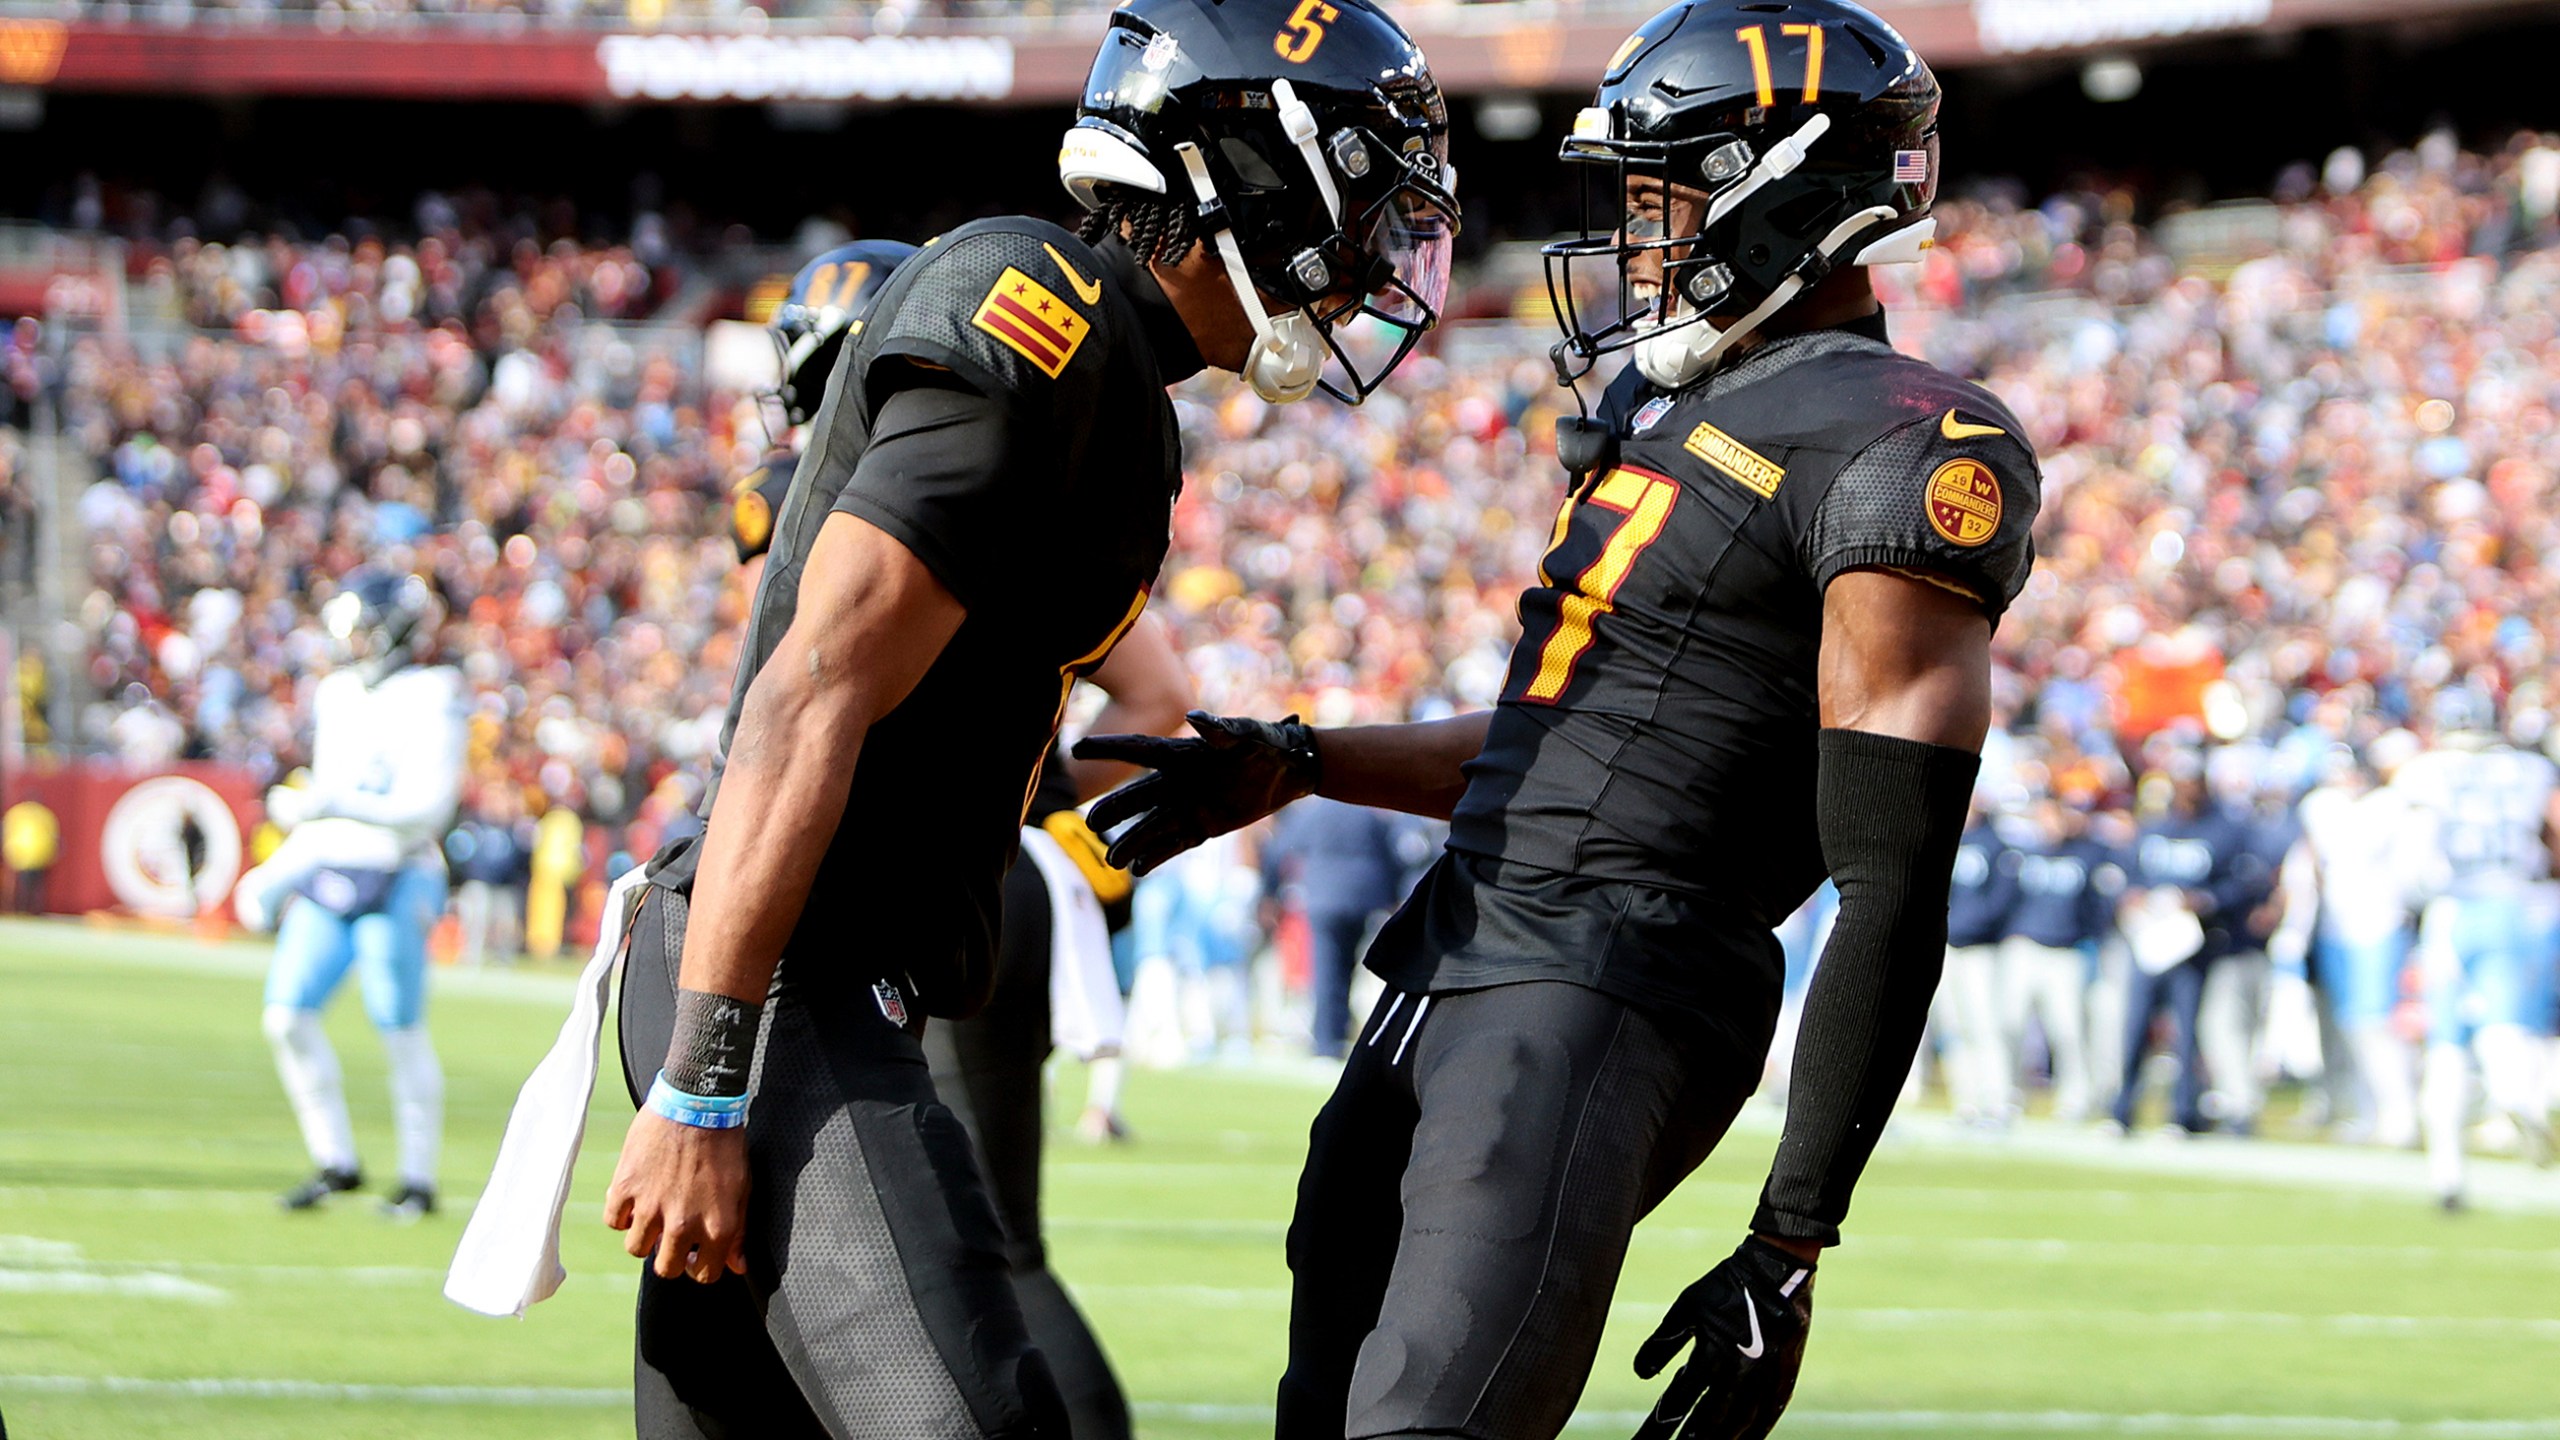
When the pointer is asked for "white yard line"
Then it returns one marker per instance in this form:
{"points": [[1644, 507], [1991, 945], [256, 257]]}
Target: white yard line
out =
{"points": [[1959, 1319], [2013, 1422], [94, 946], [132, 1285], [229, 1389], [2337, 1170]]}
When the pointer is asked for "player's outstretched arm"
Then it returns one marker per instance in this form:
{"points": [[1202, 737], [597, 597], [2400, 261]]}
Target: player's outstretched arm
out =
{"points": [[1233, 771], [1906, 699], [871, 619]]}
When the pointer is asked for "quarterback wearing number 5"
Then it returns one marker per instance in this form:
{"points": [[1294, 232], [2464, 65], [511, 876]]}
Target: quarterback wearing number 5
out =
{"points": [[1758, 651]]}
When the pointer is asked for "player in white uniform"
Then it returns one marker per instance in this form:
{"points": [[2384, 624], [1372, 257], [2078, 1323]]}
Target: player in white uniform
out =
{"points": [[360, 880], [2486, 939], [2347, 908]]}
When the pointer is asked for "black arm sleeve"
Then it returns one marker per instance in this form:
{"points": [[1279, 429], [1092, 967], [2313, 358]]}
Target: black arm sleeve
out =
{"points": [[1890, 812], [935, 478]]}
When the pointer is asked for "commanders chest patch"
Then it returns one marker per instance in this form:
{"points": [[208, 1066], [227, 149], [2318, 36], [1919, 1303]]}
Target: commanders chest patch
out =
{"points": [[1749, 468], [1963, 501], [1032, 321]]}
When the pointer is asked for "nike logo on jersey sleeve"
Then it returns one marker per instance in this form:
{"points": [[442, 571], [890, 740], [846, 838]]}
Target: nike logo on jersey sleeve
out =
{"points": [[1090, 291], [1950, 427]]}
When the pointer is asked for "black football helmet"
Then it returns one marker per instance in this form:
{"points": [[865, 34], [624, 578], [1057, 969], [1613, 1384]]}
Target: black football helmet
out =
{"points": [[826, 303], [1314, 144], [378, 620], [1811, 128]]}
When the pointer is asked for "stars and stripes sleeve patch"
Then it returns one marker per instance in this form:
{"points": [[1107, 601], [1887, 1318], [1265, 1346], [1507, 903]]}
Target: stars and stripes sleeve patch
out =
{"points": [[1032, 321]]}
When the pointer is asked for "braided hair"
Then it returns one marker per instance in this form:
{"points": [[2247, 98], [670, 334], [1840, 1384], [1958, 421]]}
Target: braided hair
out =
{"points": [[1159, 230]]}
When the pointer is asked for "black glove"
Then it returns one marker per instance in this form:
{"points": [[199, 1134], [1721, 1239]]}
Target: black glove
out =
{"points": [[1749, 1317], [1237, 772]]}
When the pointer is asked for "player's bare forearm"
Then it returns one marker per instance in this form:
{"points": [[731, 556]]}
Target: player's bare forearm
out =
{"points": [[780, 799], [1905, 702], [1414, 768], [870, 620]]}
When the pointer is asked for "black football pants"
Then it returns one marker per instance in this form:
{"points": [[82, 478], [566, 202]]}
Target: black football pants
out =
{"points": [[877, 1303], [988, 1069], [1467, 1201]]}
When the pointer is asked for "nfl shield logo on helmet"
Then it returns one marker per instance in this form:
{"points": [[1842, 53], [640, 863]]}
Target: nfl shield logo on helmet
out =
{"points": [[892, 1004]]}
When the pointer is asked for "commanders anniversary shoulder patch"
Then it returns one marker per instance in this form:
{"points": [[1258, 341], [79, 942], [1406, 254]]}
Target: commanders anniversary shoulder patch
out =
{"points": [[1032, 321], [1963, 501]]}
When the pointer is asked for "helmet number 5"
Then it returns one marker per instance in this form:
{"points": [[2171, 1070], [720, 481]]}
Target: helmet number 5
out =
{"points": [[1304, 31], [1755, 38]]}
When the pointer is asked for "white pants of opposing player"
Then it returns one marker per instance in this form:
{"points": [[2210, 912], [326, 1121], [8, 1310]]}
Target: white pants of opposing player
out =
{"points": [[2108, 993], [2229, 1020], [2050, 985], [1978, 1064]]}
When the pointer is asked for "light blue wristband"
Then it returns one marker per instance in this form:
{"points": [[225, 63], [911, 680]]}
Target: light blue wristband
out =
{"points": [[702, 1112]]}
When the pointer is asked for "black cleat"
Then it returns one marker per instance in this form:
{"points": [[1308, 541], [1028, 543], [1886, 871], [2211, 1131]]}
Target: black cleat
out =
{"points": [[322, 1184], [410, 1202]]}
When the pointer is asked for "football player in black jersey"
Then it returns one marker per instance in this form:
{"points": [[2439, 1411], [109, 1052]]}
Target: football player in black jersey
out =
{"points": [[988, 1067], [824, 1259], [826, 302], [1758, 650]]}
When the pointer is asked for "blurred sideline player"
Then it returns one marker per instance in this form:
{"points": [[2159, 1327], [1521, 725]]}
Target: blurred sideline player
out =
{"points": [[1759, 647], [2486, 936], [1981, 892], [1053, 978], [985, 500], [2348, 885], [360, 879], [2068, 882]]}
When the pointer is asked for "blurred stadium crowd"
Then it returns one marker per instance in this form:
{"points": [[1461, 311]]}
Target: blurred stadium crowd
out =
{"points": [[2300, 477]]}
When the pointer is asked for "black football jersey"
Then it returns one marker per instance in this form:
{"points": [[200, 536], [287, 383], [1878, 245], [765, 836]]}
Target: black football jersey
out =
{"points": [[1658, 726], [1048, 517]]}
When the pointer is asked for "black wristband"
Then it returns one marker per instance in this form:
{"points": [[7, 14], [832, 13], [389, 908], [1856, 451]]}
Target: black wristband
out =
{"points": [[714, 1047]]}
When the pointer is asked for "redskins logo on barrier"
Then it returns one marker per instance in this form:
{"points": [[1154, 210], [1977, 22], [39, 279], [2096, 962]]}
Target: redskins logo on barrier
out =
{"points": [[171, 847]]}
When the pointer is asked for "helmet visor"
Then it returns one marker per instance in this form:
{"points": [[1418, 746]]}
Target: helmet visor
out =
{"points": [[1406, 240]]}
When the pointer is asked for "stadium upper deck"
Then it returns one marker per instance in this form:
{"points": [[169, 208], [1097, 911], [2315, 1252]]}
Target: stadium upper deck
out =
{"points": [[968, 51]]}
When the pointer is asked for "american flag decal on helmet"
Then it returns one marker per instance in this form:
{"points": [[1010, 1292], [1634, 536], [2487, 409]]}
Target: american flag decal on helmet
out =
{"points": [[1911, 167]]}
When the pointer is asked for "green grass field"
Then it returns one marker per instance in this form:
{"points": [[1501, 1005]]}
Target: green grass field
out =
{"points": [[2045, 1284]]}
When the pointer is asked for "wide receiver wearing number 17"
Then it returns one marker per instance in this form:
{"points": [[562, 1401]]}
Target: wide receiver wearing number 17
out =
{"points": [[1758, 650]]}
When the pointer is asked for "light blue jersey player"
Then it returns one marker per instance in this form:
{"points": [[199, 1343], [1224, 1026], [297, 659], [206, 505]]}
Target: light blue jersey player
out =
{"points": [[2487, 939], [360, 880]]}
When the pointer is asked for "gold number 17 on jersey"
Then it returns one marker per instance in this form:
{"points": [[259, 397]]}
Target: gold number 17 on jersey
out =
{"points": [[1645, 500]]}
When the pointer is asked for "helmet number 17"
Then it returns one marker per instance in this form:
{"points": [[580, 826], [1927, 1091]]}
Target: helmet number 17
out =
{"points": [[1755, 38], [1304, 31]]}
